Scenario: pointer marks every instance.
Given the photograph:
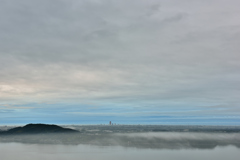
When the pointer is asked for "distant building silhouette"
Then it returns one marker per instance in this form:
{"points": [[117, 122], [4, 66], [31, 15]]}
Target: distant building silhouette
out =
{"points": [[110, 122]]}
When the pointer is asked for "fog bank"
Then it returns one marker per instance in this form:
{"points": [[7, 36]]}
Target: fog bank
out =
{"points": [[13, 151]]}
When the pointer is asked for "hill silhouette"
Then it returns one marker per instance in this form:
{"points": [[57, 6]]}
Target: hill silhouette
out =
{"points": [[38, 128]]}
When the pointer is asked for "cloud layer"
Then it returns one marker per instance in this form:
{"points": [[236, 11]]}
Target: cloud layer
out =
{"points": [[145, 54]]}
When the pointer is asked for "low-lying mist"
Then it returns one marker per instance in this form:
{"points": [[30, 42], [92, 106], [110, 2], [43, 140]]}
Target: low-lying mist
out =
{"points": [[134, 136]]}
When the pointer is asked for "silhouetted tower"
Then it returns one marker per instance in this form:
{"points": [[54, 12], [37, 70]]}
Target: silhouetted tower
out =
{"points": [[110, 122]]}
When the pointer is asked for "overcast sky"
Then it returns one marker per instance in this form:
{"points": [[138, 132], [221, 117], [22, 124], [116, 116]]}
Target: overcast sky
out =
{"points": [[138, 61]]}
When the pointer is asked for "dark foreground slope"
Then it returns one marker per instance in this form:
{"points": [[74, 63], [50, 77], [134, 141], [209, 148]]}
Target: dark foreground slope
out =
{"points": [[37, 129]]}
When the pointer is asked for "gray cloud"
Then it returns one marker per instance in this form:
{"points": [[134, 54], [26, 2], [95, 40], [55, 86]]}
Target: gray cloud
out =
{"points": [[116, 51]]}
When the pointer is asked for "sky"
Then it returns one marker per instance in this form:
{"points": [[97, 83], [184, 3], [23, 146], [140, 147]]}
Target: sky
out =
{"points": [[129, 62]]}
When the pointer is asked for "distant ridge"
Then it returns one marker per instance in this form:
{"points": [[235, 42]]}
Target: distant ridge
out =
{"points": [[37, 129]]}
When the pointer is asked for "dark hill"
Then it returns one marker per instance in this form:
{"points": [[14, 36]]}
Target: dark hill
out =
{"points": [[38, 128]]}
